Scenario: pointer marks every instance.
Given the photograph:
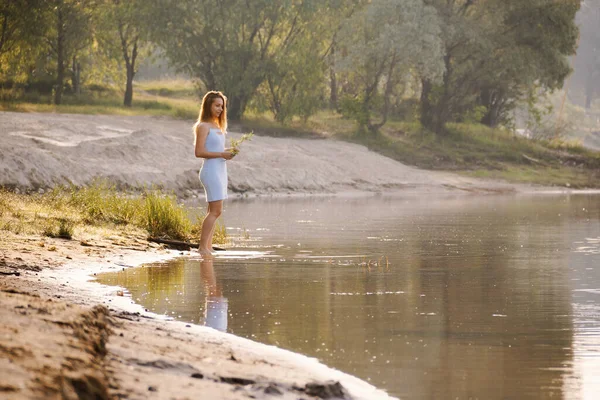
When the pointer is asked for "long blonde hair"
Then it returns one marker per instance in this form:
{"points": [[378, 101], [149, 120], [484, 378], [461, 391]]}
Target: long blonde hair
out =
{"points": [[206, 113]]}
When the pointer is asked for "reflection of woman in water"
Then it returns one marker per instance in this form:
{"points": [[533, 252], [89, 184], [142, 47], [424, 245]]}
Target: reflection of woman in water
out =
{"points": [[215, 307]]}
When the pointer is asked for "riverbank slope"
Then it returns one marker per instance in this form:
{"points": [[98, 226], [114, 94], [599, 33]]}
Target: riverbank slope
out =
{"points": [[39, 151]]}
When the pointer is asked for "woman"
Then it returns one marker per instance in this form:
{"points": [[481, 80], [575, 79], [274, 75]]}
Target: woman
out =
{"points": [[210, 131]]}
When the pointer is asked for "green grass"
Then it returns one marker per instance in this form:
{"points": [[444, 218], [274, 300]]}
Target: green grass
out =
{"points": [[163, 217], [150, 98], [60, 212], [477, 150], [322, 125], [176, 88]]}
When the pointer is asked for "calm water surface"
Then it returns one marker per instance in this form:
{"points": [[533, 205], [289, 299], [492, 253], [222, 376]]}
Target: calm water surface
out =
{"points": [[454, 298]]}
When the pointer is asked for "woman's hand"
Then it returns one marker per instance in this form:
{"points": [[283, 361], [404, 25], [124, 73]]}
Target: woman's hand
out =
{"points": [[227, 154]]}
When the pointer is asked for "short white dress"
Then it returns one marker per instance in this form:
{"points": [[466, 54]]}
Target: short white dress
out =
{"points": [[213, 174]]}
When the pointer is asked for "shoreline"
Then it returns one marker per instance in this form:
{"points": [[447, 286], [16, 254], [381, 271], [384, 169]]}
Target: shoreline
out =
{"points": [[106, 345]]}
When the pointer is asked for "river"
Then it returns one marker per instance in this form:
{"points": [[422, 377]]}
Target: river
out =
{"points": [[427, 297]]}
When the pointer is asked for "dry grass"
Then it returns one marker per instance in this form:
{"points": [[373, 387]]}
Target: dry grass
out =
{"points": [[65, 212]]}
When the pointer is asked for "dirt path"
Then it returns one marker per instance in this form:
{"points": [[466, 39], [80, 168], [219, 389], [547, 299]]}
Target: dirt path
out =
{"points": [[40, 150]]}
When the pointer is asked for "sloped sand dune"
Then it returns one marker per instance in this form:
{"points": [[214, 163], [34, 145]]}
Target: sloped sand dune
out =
{"points": [[42, 150]]}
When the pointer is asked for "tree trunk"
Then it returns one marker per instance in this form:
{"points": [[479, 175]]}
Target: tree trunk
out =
{"points": [[128, 98], [488, 99], [236, 105], [436, 112], [589, 91], [389, 88], [76, 76], [60, 49], [333, 97], [426, 106], [130, 67], [491, 116]]}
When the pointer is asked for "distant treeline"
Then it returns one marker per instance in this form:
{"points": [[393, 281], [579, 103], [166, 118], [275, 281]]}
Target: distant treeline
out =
{"points": [[435, 60]]}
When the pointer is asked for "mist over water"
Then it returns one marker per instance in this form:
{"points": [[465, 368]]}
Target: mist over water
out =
{"points": [[481, 297]]}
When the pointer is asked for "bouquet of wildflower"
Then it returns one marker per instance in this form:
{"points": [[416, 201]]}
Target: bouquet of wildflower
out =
{"points": [[235, 144]]}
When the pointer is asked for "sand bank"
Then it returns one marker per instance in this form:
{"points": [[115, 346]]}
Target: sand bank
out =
{"points": [[42, 150]]}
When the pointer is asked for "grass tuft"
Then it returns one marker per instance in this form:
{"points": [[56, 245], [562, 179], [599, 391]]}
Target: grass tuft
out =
{"points": [[163, 217], [59, 228]]}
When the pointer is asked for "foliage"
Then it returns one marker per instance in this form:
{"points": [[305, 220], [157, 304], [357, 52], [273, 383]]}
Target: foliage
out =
{"points": [[122, 31], [253, 41], [380, 46], [20, 26], [372, 60], [496, 53]]}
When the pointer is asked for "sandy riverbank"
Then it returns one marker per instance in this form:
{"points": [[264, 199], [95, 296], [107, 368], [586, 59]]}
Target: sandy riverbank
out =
{"points": [[42, 150], [63, 336]]}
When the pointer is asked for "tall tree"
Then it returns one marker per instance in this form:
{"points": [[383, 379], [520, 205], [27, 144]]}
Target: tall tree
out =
{"points": [[295, 86], [380, 46], [123, 27], [496, 52], [71, 32]]}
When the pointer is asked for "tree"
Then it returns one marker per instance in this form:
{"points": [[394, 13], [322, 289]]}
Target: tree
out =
{"points": [[70, 32], [495, 53], [532, 51], [380, 46], [232, 46], [295, 86], [20, 24], [123, 30]]}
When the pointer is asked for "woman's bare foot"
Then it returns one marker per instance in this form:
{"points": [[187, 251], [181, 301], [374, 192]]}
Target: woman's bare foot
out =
{"points": [[204, 252]]}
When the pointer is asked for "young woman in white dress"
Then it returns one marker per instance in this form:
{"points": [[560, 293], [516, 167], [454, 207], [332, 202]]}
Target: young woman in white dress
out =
{"points": [[210, 134]]}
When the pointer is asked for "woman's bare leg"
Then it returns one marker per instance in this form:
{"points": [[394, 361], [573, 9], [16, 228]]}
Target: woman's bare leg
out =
{"points": [[208, 226], [212, 235]]}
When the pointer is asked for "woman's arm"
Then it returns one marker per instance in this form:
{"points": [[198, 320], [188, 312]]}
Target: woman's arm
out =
{"points": [[200, 149]]}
